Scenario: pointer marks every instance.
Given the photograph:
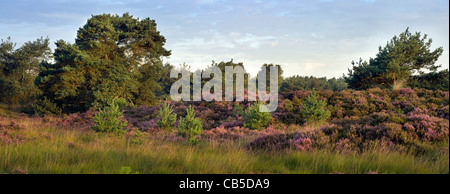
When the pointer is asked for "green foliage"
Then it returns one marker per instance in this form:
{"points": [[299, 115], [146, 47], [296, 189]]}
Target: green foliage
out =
{"points": [[431, 81], [166, 118], [295, 83], [121, 102], [254, 119], [190, 127], [19, 68], [127, 170], [267, 68], [237, 109], [110, 120], [222, 66], [135, 136], [45, 106], [313, 109], [288, 105], [112, 57], [403, 56]]}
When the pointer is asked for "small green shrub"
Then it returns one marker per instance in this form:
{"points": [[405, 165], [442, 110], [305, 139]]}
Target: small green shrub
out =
{"points": [[127, 170], [237, 109], [313, 110], [121, 102], [166, 117], [110, 120], [190, 126], [254, 119], [135, 137]]}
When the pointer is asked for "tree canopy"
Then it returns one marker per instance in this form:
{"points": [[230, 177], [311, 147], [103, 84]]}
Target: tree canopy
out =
{"points": [[402, 57], [312, 83], [112, 57], [19, 67]]}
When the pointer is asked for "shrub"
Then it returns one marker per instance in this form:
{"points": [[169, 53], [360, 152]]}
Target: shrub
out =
{"points": [[271, 142], [238, 110], [254, 119], [46, 107], [110, 120], [121, 102], [314, 110], [166, 117], [190, 126], [134, 136]]}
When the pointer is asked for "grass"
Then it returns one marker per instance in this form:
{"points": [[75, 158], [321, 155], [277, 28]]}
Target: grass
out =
{"points": [[52, 149]]}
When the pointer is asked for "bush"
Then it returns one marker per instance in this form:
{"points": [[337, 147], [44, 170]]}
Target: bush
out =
{"points": [[254, 119], [134, 136], [314, 110], [46, 107], [166, 117], [271, 142], [238, 110], [110, 120], [190, 126]]}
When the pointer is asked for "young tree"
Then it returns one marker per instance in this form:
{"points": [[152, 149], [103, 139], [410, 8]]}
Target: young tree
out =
{"points": [[313, 109], [166, 117], [190, 126], [402, 56]]}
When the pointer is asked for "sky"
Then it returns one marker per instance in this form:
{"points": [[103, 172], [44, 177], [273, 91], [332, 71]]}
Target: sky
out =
{"points": [[307, 37]]}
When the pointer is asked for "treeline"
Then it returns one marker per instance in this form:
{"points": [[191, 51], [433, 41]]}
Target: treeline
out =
{"points": [[120, 58], [309, 83]]}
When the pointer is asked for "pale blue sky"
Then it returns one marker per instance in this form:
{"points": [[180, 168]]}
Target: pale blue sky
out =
{"points": [[307, 37]]}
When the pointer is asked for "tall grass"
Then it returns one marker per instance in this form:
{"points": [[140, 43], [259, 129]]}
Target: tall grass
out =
{"points": [[51, 149]]}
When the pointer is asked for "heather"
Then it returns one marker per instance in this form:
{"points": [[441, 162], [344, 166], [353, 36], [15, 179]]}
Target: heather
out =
{"points": [[49, 148], [369, 131]]}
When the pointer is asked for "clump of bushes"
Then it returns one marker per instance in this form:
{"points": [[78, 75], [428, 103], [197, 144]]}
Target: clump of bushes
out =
{"points": [[271, 142], [314, 110], [190, 127], [9, 135], [254, 118], [110, 120], [166, 118]]}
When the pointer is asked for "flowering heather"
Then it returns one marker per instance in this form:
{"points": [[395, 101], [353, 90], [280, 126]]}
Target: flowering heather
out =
{"points": [[345, 146], [428, 128], [302, 142], [273, 142], [9, 133], [81, 121], [232, 124]]}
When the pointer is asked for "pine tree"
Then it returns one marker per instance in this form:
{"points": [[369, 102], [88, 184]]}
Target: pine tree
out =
{"points": [[113, 57]]}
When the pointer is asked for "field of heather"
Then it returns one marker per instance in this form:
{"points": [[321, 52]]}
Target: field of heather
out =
{"points": [[369, 131]]}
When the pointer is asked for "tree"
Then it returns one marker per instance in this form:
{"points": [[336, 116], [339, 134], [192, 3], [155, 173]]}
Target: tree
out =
{"points": [[19, 67], [313, 109], [165, 82], [166, 117], [113, 57], [190, 126], [254, 118], [431, 81], [267, 68], [403, 56], [110, 120], [295, 83]]}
